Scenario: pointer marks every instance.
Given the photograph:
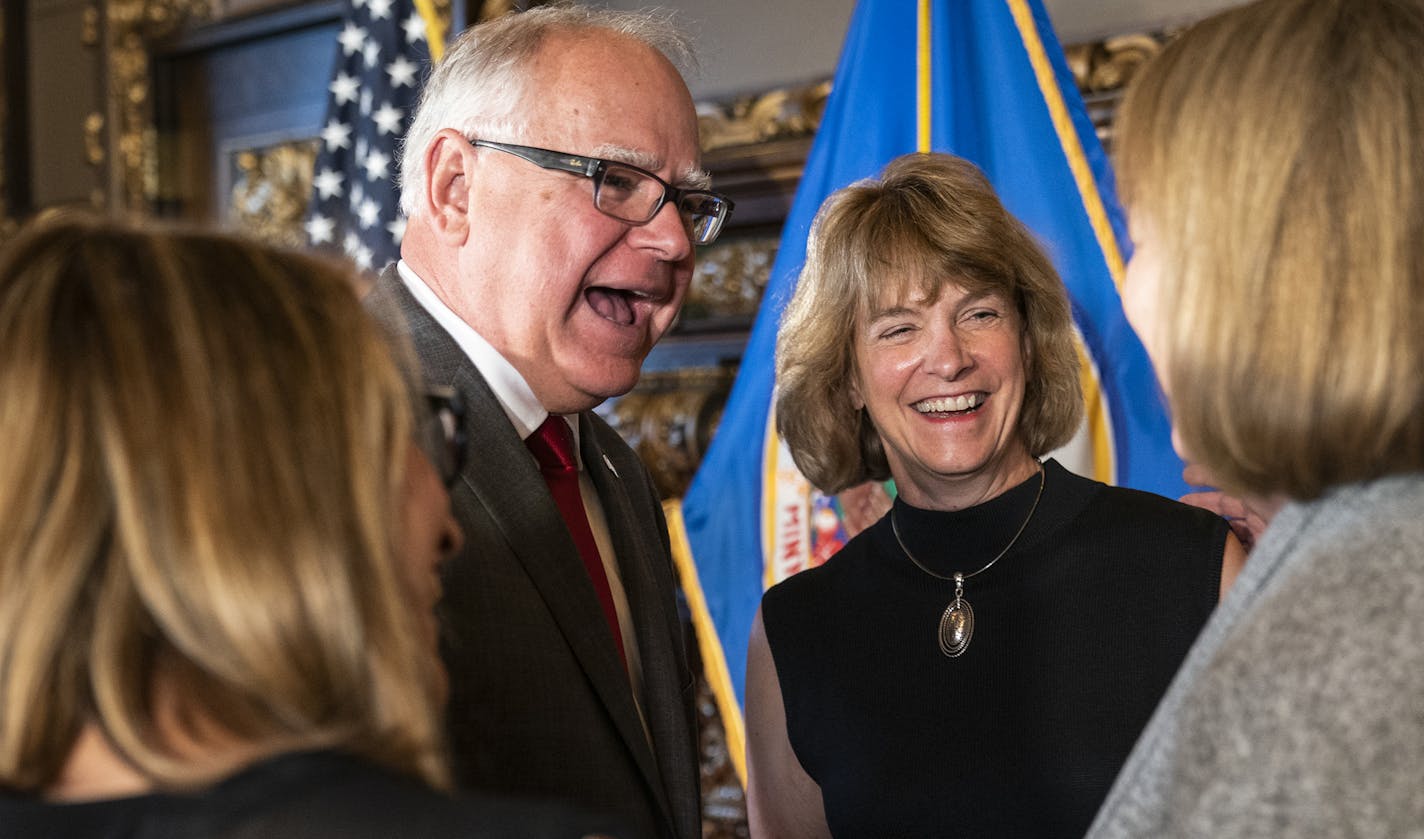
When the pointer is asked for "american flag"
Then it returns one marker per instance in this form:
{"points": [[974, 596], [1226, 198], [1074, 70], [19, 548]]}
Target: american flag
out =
{"points": [[355, 202]]}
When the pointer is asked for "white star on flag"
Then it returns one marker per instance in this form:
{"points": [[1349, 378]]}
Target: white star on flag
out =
{"points": [[320, 229], [414, 27], [397, 229], [363, 256], [328, 183], [352, 38], [369, 214], [336, 135], [388, 119], [344, 88], [376, 164], [380, 9], [402, 72]]}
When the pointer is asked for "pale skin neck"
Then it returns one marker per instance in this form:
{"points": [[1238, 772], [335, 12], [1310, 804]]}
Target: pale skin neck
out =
{"points": [[94, 769], [951, 493], [439, 268], [422, 251]]}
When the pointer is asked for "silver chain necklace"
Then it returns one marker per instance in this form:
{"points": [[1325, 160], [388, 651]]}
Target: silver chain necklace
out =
{"points": [[956, 625]]}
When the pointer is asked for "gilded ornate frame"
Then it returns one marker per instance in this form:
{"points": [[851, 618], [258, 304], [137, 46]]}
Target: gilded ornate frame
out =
{"points": [[124, 135]]}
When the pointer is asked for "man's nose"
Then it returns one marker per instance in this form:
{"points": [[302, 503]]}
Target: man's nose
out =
{"points": [[666, 234]]}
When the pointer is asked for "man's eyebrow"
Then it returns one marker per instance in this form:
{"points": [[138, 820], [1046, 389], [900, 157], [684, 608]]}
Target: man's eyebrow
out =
{"points": [[692, 177]]}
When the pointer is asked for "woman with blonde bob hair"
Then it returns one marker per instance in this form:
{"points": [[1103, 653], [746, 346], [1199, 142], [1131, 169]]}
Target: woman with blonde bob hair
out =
{"points": [[1274, 180], [979, 661], [218, 542]]}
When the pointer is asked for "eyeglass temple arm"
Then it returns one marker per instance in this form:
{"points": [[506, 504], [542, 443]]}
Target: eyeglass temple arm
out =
{"points": [[585, 166]]}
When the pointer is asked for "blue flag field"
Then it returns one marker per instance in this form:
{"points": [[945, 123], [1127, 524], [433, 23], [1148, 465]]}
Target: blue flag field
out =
{"points": [[985, 80]]}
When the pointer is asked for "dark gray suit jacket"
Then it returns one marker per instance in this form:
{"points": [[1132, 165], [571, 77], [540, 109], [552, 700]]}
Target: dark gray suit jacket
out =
{"points": [[539, 701]]}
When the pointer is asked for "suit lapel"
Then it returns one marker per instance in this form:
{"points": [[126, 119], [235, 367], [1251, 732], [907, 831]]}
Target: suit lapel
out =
{"points": [[634, 539], [536, 534], [505, 479]]}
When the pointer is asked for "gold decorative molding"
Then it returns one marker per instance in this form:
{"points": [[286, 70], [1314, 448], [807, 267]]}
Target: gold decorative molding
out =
{"points": [[94, 138], [89, 34], [271, 188], [1101, 69], [783, 112], [1107, 66], [131, 27], [669, 418], [729, 279]]}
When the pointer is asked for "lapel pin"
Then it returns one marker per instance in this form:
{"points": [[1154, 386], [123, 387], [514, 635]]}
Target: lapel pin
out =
{"points": [[609, 464]]}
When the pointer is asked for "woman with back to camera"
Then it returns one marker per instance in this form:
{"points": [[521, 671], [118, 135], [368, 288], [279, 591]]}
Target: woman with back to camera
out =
{"points": [[980, 661], [218, 550], [1274, 180]]}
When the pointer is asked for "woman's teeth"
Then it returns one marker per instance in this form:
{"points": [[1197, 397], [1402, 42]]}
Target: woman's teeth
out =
{"points": [[948, 404]]}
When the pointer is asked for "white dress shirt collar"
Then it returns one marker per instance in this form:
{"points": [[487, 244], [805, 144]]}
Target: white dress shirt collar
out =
{"points": [[515, 396]]}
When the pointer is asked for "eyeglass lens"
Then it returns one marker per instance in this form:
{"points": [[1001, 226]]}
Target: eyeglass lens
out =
{"points": [[632, 196]]}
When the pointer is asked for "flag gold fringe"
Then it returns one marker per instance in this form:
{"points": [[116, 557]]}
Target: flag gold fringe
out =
{"points": [[709, 643], [435, 27], [923, 80], [1098, 425]]}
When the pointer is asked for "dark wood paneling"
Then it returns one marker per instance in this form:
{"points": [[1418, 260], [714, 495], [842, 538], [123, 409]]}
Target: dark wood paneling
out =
{"points": [[64, 95], [15, 200], [238, 85]]}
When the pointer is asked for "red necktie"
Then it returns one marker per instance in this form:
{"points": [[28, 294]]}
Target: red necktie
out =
{"points": [[552, 444]]}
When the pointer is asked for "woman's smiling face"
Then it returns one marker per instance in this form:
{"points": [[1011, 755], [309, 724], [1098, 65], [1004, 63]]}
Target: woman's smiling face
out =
{"points": [[944, 381]]}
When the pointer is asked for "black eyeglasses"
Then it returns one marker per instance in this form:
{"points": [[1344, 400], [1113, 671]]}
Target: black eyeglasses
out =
{"points": [[442, 432], [630, 194]]}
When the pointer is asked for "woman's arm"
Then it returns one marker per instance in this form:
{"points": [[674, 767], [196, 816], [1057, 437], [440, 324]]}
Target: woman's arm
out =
{"points": [[782, 800], [1232, 559]]}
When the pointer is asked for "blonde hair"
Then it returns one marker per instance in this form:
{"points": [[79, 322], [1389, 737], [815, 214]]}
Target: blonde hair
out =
{"points": [[930, 220], [205, 439], [1273, 155]]}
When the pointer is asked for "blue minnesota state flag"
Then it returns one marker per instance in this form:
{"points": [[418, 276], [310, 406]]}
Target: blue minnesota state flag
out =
{"points": [[985, 80]]}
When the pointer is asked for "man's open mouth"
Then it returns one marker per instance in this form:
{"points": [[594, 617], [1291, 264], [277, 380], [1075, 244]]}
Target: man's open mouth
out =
{"points": [[614, 304]]}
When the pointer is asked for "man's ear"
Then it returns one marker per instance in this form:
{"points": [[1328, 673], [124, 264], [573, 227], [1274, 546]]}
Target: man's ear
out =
{"points": [[449, 166]]}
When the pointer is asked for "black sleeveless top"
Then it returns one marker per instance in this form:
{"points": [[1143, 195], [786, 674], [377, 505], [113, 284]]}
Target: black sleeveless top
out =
{"points": [[1079, 629]]}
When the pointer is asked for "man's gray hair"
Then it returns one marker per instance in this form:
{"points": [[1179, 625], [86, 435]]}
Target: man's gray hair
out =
{"points": [[478, 88]]}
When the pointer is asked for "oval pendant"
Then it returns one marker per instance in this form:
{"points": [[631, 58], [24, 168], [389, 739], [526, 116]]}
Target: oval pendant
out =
{"points": [[956, 628]]}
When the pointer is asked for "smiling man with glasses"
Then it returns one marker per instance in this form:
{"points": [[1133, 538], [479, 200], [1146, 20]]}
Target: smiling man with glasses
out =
{"points": [[555, 197]]}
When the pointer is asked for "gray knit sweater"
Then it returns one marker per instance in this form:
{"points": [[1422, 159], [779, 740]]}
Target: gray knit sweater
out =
{"points": [[1299, 712]]}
